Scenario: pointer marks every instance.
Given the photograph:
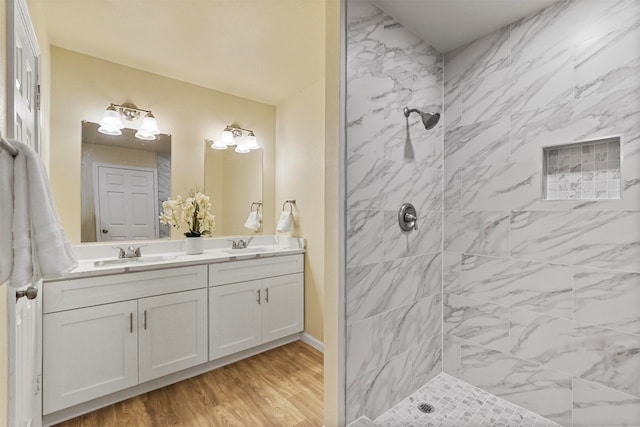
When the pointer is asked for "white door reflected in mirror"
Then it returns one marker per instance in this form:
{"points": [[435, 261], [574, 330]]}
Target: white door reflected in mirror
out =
{"points": [[126, 203]]}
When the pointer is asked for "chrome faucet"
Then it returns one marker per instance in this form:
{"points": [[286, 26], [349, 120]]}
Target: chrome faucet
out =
{"points": [[241, 243], [130, 252]]}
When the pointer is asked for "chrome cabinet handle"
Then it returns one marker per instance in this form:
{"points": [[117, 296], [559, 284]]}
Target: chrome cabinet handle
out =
{"points": [[258, 296], [131, 323], [266, 298], [145, 320]]}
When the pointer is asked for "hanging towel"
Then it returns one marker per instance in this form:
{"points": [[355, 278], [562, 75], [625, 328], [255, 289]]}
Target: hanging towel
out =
{"points": [[285, 223], [40, 247], [254, 221], [6, 215]]}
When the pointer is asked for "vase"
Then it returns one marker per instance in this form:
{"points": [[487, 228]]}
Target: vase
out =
{"points": [[194, 245]]}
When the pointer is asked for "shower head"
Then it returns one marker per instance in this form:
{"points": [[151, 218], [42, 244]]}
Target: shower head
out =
{"points": [[428, 119]]}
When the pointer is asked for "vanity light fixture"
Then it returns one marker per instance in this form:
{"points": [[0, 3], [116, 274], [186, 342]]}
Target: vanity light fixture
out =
{"points": [[232, 135], [111, 123]]}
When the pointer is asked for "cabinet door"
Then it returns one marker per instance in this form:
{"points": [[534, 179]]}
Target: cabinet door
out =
{"points": [[235, 316], [88, 353], [283, 307], [172, 333]]}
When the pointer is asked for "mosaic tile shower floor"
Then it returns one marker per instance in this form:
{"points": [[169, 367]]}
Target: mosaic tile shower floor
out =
{"points": [[457, 404]]}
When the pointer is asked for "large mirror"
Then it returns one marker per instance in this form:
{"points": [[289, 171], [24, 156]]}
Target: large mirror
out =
{"points": [[124, 181], [234, 182]]}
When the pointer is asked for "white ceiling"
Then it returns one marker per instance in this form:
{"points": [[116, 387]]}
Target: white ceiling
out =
{"points": [[265, 50], [448, 24]]}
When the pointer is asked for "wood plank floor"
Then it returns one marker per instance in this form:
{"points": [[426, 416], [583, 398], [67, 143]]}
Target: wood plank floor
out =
{"points": [[282, 387]]}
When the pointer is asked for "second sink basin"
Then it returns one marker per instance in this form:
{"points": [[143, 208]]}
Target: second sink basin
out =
{"points": [[249, 250], [134, 260]]}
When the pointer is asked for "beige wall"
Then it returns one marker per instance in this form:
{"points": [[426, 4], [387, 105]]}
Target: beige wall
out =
{"points": [[300, 176], [334, 391], [83, 86]]}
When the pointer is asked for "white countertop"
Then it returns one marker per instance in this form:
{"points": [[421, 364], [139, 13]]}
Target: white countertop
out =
{"points": [[173, 256]]}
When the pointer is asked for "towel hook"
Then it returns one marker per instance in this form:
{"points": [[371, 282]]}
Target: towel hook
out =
{"points": [[291, 203], [258, 205]]}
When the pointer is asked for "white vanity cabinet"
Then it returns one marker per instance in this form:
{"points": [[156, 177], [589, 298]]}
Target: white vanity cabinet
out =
{"points": [[253, 302], [105, 334]]}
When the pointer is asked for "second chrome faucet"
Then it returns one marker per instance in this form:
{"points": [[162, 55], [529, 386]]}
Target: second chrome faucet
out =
{"points": [[240, 243]]}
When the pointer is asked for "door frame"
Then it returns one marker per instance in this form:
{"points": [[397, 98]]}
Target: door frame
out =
{"points": [[96, 193]]}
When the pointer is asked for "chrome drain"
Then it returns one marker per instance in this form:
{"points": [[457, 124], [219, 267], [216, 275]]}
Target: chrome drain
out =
{"points": [[426, 408]]}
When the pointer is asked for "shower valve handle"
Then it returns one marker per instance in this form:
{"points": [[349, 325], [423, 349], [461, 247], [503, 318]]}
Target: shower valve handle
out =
{"points": [[408, 217]]}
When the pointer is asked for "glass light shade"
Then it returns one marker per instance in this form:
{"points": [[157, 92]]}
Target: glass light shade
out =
{"points": [[149, 125], [111, 124], [242, 149], [217, 145], [109, 131], [227, 137], [252, 142], [146, 136]]}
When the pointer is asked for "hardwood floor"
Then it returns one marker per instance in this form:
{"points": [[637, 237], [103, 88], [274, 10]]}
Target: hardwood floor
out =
{"points": [[282, 387]]}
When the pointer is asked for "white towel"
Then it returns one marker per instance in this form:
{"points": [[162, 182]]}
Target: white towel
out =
{"points": [[285, 223], [254, 221], [40, 246], [6, 215]]}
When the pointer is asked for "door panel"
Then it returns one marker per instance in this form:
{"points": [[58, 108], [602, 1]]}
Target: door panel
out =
{"points": [[173, 333], [126, 206], [235, 315], [22, 123], [283, 314], [88, 353]]}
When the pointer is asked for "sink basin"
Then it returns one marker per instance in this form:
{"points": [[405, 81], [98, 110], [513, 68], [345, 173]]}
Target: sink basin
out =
{"points": [[136, 260], [249, 250]]}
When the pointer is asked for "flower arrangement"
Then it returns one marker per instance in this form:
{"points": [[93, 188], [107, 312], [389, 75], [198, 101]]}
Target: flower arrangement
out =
{"points": [[195, 211]]}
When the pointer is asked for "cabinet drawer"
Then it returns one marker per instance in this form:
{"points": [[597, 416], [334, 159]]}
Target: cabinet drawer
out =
{"points": [[252, 269], [76, 293]]}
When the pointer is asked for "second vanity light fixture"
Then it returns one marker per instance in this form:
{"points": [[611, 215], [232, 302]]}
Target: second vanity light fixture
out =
{"points": [[111, 123], [231, 135]]}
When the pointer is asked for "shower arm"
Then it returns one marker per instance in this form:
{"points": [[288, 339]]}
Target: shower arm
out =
{"points": [[408, 111]]}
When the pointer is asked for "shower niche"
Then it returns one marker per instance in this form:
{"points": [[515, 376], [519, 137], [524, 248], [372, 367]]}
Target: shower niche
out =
{"points": [[588, 170]]}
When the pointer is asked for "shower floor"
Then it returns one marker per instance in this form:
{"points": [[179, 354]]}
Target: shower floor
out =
{"points": [[456, 404]]}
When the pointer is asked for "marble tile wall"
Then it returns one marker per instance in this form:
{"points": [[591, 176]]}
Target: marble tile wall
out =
{"points": [[394, 278], [542, 298]]}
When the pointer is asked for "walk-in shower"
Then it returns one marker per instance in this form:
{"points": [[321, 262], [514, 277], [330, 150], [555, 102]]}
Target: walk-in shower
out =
{"points": [[428, 119]]}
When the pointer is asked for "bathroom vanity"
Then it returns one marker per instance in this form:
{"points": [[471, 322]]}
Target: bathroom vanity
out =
{"points": [[114, 331]]}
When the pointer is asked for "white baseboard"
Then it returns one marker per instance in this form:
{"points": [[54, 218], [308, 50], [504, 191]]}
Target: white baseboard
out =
{"points": [[313, 342]]}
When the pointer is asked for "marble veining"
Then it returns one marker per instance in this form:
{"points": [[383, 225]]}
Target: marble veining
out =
{"points": [[590, 352], [607, 298], [478, 144], [372, 341], [540, 287], [482, 233], [597, 405], [477, 321], [373, 289], [544, 391], [375, 392], [604, 239], [364, 240]]}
